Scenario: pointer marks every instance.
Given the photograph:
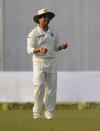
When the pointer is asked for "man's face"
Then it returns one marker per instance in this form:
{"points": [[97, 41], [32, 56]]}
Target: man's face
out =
{"points": [[44, 20]]}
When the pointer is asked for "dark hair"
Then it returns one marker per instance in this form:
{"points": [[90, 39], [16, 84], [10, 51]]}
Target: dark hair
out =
{"points": [[43, 16]]}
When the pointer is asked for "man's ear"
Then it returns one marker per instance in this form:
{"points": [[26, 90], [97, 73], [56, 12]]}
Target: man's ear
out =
{"points": [[38, 20]]}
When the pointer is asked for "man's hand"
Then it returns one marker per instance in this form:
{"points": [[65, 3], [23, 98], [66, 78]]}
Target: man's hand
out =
{"points": [[43, 50], [63, 46]]}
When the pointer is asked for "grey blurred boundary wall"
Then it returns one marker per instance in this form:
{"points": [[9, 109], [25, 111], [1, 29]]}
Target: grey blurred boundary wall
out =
{"points": [[1, 38], [77, 21]]}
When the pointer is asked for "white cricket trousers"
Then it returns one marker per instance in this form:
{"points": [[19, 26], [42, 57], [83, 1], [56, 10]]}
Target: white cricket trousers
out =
{"points": [[45, 88]]}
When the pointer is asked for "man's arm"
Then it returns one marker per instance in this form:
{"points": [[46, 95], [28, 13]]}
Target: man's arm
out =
{"points": [[43, 50], [31, 41]]}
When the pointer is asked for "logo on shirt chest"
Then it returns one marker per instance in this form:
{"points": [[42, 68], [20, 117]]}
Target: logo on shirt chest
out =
{"points": [[52, 35], [39, 36]]}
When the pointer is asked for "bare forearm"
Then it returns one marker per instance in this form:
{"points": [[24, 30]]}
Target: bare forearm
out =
{"points": [[36, 50], [42, 50], [59, 48]]}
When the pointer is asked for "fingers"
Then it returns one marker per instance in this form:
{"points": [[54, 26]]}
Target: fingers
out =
{"points": [[64, 45], [43, 50]]}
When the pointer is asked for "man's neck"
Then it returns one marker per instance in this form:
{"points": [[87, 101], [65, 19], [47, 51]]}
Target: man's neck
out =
{"points": [[45, 28]]}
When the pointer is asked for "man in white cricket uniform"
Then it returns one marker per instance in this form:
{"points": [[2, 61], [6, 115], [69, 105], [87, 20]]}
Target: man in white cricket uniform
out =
{"points": [[42, 43]]}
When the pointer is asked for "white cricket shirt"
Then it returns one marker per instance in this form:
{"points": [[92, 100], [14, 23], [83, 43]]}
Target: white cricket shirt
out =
{"points": [[39, 38]]}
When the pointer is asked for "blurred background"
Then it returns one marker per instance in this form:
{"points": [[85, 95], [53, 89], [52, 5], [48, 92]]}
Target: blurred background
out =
{"points": [[77, 22]]}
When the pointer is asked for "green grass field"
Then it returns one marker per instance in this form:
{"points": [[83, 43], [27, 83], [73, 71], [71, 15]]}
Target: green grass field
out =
{"points": [[66, 120]]}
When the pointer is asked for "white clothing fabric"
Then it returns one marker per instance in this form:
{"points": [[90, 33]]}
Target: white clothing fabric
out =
{"points": [[44, 66], [45, 86], [38, 38]]}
